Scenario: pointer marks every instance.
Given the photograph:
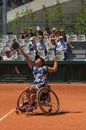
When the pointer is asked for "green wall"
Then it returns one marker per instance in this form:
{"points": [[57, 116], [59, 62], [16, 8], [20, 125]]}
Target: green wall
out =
{"points": [[68, 71]]}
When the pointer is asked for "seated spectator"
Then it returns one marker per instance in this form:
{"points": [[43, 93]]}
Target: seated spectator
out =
{"points": [[61, 44], [38, 32], [52, 44], [32, 44], [30, 33], [57, 36], [22, 35], [63, 34], [15, 46], [7, 55], [55, 33], [46, 33]]}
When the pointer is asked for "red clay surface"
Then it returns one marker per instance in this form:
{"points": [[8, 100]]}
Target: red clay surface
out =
{"points": [[71, 116]]}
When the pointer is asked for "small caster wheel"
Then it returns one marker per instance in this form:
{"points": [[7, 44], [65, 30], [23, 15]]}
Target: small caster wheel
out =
{"points": [[17, 111]]}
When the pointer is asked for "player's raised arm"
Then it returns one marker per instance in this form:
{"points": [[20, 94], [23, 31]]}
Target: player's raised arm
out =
{"points": [[26, 57], [55, 66]]}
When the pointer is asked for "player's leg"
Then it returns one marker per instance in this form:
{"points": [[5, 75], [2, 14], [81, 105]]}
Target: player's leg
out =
{"points": [[32, 98], [28, 93]]}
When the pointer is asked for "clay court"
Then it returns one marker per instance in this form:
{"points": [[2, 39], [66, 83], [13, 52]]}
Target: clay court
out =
{"points": [[71, 116]]}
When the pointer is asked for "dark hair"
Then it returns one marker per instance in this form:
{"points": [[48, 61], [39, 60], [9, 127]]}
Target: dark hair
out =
{"points": [[47, 28], [37, 56]]}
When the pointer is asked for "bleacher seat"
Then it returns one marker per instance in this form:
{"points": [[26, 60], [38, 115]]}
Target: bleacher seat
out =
{"points": [[20, 58], [8, 44], [2, 53], [81, 38], [25, 49], [68, 37], [60, 55], [77, 55], [27, 41], [50, 54], [6, 37], [1, 46], [4, 42], [21, 42], [32, 55], [12, 36], [41, 53], [79, 51], [73, 38]]}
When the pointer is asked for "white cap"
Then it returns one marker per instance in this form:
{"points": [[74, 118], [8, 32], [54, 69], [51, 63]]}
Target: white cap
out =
{"points": [[38, 28], [53, 28]]}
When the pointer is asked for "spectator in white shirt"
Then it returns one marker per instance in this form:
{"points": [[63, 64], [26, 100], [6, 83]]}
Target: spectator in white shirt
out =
{"points": [[32, 44], [61, 44]]}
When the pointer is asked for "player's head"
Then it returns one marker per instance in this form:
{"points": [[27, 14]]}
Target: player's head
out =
{"points": [[39, 61]]}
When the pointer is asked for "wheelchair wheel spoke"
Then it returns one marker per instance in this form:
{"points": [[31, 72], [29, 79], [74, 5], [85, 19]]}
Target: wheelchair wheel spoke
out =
{"points": [[48, 101]]}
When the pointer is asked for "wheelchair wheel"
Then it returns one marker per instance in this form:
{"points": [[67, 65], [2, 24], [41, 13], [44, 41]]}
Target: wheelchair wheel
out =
{"points": [[22, 102], [48, 101]]}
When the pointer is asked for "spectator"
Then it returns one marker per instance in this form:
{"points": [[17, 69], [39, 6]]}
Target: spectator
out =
{"points": [[22, 35], [7, 55], [63, 46], [63, 34], [40, 73], [30, 33], [52, 44], [15, 46], [32, 44], [46, 33], [38, 32], [55, 34]]}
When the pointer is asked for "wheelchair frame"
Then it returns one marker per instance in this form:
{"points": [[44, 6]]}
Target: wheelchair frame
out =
{"points": [[46, 99]]}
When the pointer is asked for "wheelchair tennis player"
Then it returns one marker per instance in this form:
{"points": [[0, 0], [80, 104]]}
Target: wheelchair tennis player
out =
{"points": [[40, 73]]}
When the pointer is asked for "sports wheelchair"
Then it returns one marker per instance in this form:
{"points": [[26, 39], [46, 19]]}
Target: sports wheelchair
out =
{"points": [[46, 100]]}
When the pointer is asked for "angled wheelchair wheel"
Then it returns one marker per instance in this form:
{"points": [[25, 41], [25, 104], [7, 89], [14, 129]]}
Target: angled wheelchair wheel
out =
{"points": [[48, 101], [22, 102]]}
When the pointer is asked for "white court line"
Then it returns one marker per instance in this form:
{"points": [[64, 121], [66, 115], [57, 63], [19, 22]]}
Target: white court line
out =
{"points": [[7, 114]]}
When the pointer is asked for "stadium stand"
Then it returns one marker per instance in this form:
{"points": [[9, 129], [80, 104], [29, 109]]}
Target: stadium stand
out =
{"points": [[73, 38], [79, 41], [77, 53], [81, 38]]}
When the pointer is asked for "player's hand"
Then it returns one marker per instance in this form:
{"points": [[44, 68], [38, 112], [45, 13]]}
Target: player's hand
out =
{"points": [[54, 59]]}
